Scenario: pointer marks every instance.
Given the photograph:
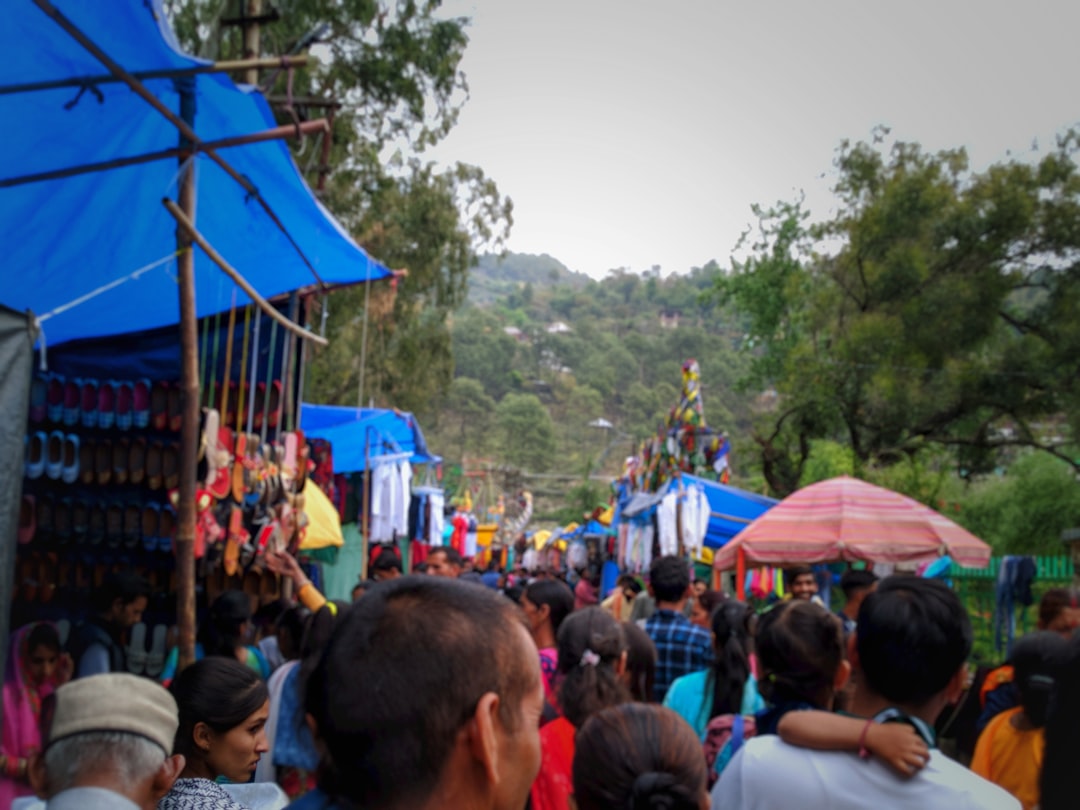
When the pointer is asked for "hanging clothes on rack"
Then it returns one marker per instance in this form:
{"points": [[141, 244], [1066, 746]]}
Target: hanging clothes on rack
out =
{"points": [[666, 523]]}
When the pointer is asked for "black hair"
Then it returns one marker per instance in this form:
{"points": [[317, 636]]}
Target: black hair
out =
{"points": [[268, 614], [220, 631], [556, 595], [638, 757], [913, 636], [220, 692], [291, 624], [710, 601], [800, 647], [731, 662], [514, 593], [1053, 602], [453, 556], [640, 662], [854, 581], [402, 673], [628, 581], [127, 586], [364, 585], [317, 633], [1036, 658], [590, 642], [793, 573], [387, 561], [1057, 785], [669, 578], [43, 634]]}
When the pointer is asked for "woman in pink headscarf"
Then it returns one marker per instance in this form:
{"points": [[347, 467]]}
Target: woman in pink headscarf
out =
{"points": [[35, 668]]}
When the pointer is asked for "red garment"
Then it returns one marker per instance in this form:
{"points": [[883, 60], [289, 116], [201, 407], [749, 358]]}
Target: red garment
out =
{"points": [[418, 552], [553, 785], [461, 528]]}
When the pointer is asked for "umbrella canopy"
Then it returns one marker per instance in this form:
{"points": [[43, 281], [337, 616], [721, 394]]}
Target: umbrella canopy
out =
{"points": [[848, 519]]}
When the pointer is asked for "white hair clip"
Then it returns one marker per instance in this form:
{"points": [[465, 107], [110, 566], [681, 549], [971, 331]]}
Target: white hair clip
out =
{"points": [[589, 659]]}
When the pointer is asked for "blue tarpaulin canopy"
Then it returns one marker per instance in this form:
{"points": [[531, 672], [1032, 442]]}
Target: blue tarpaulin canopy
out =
{"points": [[67, 238], [733, 509], [354, 432]]}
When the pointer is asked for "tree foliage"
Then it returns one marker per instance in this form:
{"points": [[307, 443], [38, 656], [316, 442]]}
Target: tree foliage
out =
{"points": [[932, 309], [393, 69]]}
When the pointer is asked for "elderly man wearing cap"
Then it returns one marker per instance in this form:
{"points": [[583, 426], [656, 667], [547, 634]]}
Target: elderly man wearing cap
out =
{"points": [[107, 745]]}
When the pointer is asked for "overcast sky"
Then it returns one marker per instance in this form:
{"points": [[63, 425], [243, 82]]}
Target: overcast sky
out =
{"points": [[630, 134]]}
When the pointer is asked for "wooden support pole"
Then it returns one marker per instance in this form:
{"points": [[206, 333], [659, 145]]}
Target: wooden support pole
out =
{"points": [[184, 542], [186, 224], [229, 66], [277, 133], [184, 128]]}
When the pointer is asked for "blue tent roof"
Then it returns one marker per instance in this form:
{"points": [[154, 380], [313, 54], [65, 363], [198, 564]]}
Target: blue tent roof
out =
{"points": [[67, 238], [351, 431], [732, 502]]}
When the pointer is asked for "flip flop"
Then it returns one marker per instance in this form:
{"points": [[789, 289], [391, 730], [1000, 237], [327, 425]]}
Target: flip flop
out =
{"points": [[80, 521], [176, 411], [275, 404], [103, 462], [154, 465], [235, 539], [170, 466], [39, 399], [159, 405], [106, 404], [238, 468], [27, 519], [140, 403], [114, 525], [132, 526], [87, 459], [35, 455], [150, 525], [120, 452], [95, 524], [125, 394], [69, 474], [62, 521], [54, 398], [155, 659], [72, 398], [137, 461], [136, 651], [167, 530], [89, 403], [54, 455]]}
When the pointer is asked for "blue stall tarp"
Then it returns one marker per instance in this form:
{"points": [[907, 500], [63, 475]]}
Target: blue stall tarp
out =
{"points": [[358, 432], [733, 509], [103, 241]]}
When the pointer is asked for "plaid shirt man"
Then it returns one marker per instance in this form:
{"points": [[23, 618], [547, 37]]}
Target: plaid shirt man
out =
{"points": [[681, 648]]}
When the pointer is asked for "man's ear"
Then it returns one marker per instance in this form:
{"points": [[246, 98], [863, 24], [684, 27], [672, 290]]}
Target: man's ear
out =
{"points": [[843, 673], [168, 773], [956, 684], [35, 774], [853, 651], [484, 737]]}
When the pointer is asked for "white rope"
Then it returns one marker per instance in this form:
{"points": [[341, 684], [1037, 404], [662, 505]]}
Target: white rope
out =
{"points": [[82, 299]]}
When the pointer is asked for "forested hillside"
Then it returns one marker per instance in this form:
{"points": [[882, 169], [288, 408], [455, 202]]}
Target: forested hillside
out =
{"points": [[540, 353]]}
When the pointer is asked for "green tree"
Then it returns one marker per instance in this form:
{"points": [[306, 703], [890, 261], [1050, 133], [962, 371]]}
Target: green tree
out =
{"points": [[527, 434], [466, 416], [930, 310], [394, 69]]}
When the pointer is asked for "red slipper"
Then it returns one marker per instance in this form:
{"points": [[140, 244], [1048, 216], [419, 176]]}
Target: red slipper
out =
{"points": [[159, 405]]}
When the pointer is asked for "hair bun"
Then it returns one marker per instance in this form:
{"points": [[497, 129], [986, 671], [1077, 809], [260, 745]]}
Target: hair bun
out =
{"points": [[653, 791]]}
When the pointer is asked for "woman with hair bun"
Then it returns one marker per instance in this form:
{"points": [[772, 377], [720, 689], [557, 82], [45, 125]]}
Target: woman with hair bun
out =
{"points": [[592, 663], [639, 757]]}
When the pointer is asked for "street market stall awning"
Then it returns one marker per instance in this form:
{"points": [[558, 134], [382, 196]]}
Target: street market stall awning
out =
{"points": [[732, 509], [848, 519], [357, 434], [93, 253]]}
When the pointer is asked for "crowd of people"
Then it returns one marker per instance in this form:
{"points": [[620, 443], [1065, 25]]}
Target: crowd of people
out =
{"points": [[454, 687]]}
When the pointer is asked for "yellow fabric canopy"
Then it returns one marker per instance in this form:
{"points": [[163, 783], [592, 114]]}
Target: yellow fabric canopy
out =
{"points": [[540, 538], [324, 525]]}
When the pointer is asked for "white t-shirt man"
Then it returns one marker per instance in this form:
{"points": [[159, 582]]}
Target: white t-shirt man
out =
{"points": [[769, 774]]}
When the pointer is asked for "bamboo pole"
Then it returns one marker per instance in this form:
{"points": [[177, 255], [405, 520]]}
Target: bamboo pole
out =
{"points": [[184, 543], [226, 66], [365, 507], [185, 129], [185, 222], [274, 134]]}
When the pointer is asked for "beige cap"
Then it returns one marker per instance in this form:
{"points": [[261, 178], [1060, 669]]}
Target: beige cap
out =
{"points": [[115, 702]]}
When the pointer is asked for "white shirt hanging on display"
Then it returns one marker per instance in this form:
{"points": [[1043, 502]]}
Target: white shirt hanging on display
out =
{"points": [[666, 524]]}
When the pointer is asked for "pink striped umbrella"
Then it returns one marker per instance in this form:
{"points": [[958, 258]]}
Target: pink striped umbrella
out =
{"points": [[848, 519]]}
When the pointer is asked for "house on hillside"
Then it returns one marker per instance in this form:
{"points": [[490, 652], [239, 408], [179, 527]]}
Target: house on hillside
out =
{"points": [[558, 328], [669, 318], [516, 334]]}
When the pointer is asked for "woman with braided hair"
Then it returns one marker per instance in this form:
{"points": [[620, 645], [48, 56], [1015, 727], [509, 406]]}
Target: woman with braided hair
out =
{"points": [[639, 757], [592, 662]]}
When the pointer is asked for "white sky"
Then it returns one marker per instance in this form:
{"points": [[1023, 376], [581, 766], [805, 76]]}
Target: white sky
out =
{"points": [[630, 134]]}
